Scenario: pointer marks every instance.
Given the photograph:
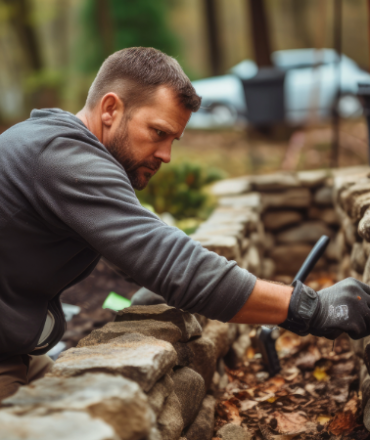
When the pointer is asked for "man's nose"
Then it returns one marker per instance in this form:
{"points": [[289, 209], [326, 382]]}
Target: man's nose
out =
{"points": [[164, 152]]}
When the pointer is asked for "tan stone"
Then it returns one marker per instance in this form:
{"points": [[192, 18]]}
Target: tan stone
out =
{"points": [[349, 230], [356, 199], [251, 200], [358, 258], [185, 321], [157, 396], [274, 220], [115, 400], [268, 268], [275, 182], [327, 215], [308, 232], [142, 359], [324, 196], [252, 261], [231, 187], [217, 332], [364, 226], [293, 198], [312, 178], [167, 331], [202, 427], [366, 275], [289, 258], [170, 422], [227, 247], [65, 425]]}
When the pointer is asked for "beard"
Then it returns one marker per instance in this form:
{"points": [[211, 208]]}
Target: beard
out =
{"points": [[121, 149]]}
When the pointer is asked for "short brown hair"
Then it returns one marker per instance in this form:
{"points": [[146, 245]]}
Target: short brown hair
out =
{"points": [[135, 73]]}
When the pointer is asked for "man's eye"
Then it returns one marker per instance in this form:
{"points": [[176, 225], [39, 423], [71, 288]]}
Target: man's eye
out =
{"points": [[160, 133]]}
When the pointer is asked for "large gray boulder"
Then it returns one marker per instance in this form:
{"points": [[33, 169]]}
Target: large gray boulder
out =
{"points": [[185, 321], [117, 401], [166, 331], [202, 427], [141, 358], [190, 389]]}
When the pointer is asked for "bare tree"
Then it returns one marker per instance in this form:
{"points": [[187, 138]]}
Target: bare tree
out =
{"points": [[213, 37], [260, 33]]}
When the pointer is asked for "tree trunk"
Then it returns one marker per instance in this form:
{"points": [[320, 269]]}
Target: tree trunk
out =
{"points": [[213, 36], [260, 33], [21, 22]]}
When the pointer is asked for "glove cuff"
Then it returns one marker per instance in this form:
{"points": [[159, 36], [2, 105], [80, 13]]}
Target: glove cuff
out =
{"points": [[302, 307]]}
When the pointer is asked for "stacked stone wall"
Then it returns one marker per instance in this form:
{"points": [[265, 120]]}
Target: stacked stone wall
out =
{"points": [[151, 374]]}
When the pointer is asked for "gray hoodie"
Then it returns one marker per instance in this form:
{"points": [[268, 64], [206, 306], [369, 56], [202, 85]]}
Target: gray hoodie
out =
{"points": [[64, 202]]}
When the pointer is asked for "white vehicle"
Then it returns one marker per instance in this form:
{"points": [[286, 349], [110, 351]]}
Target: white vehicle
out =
{"points": [[310, 88]]}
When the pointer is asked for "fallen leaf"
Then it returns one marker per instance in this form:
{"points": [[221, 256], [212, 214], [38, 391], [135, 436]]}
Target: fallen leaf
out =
{"points": [[246, 405], [352, 405], [322, 419], [320, 374], [290, 423], [232, 413], [343, 423]]}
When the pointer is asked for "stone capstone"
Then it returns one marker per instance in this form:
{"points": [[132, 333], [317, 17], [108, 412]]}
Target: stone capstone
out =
{"points": [[251, 200], [170, 422], [190, 389], [202, 427], [274, 220], [117, 401], [142, 359], [66, 425], [185, 321], [223, 245], [166, 331], [231, 187], [313, 178], [274, 182], [327, 215]]}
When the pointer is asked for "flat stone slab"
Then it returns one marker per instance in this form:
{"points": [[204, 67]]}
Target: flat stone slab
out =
{"points": [[356, 199], [231, 187], [274, 220], [312, 178], [327, 215], [289, 258], [142, 359], [223, 245], [185, 321], [65, 425], [308, 232], [275, 182], [117, 401], [324, 196], [293, 198], [166, 331], [251, 200]]}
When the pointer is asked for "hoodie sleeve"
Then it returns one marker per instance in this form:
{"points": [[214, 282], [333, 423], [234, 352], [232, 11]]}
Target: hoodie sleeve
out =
{"points": [[84, 187]]}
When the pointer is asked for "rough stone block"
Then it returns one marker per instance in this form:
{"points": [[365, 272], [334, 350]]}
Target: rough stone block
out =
{"points": [[312, 178], [142, 359], [225, 246], [167, 331], [251, 200], [231, 187], [252, 261], [157, 396], [327, 215], [366, 246], [293, 198], [170, 422], [349, 230], [117, 401], [202, 427], [190, 389], [268, 268], [237, 230], [200, 355], [275, 182], [308, 232], [185, 321], [358, 259], [324, 196], [356, 199], [233, 432], [218, 333], [289, 258], [65, 425], [274, 220], [364, 226]]}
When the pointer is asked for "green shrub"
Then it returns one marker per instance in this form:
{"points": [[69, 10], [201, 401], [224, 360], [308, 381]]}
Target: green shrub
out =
{"points": [[179, 190]]}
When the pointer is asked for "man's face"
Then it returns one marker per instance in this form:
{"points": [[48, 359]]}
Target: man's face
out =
{"points": [[142, 142]]}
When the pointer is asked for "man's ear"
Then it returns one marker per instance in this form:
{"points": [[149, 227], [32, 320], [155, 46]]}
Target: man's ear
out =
{"points": [[111, 109]]}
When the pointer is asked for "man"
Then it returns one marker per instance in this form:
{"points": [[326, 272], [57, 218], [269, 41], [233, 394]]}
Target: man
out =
{"points": [[67, 198]]}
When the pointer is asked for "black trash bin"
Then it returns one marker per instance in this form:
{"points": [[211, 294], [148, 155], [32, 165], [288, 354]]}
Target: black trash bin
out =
{"points": [[264, 96]]}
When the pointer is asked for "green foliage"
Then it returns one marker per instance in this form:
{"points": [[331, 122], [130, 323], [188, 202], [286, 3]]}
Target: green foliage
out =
{"points": [[178, 189], [112, 25]]}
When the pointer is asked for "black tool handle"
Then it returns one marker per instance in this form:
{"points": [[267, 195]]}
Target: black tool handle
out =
{"points": [[312, 259]]}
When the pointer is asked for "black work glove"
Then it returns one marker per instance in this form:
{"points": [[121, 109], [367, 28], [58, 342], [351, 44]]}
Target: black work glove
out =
{"points": [[343, 307]]}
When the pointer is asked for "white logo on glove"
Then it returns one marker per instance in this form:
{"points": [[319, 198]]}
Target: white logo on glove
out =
{"points": [[338, 312]]}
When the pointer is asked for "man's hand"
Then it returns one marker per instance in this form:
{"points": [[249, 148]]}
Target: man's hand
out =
{"points": [[343, 307]]}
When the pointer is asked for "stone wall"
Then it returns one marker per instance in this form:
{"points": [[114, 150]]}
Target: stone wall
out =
{"points": [[151, 374]]}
